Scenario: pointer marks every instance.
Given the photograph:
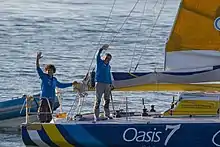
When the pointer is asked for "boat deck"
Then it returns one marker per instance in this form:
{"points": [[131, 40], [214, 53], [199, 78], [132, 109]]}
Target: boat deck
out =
{"points": [[88, 119]]}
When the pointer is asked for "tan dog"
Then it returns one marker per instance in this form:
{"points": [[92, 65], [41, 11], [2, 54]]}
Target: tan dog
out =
{"points": [[80, 88]]}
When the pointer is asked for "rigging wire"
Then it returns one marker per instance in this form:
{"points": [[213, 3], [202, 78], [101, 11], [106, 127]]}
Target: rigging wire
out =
{"points": [[152, 9], [138, 34], [124, 22], [117, 32], [142, 53], [110, 13], [135, 41]]}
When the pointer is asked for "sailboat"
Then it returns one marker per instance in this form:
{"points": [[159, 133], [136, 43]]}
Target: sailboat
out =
{"points": [[12, 111], [192, 64]]}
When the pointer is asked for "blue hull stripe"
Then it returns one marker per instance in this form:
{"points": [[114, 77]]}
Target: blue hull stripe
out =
{"points": [[26, 138], [43, 135], [83, 136], [67, 136], [126, 76]]}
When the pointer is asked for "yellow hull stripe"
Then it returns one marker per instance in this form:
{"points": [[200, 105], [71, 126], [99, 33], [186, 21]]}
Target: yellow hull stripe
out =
{"points": [[55, 135], [172, 87]]}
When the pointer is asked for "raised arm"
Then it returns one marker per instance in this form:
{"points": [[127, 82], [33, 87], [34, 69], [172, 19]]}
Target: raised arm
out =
{"points": [[98, 57], [39, 70], [39, 55]]}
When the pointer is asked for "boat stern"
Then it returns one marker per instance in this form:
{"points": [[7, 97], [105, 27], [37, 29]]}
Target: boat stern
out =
{"points": [[46, 134], [28, 132]]}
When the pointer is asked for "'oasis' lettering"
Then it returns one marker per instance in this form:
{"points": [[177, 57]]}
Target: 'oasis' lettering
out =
{"points": [[141, 136], [132, 134]]}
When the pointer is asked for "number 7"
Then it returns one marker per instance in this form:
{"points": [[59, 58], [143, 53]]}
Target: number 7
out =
{"points": [[174, 129]]}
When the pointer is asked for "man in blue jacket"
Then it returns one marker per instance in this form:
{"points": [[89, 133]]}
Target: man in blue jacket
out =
{"points": [[103, 83], [48, 86]]}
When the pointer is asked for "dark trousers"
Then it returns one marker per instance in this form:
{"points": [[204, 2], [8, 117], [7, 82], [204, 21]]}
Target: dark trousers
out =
{"points": [[44, 111]]}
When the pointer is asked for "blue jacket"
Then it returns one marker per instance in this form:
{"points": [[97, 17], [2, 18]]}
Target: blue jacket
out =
{"points": [[103, 74], [49, 84]]}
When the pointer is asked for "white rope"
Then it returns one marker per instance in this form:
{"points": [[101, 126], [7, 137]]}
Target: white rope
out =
{"points": [[113, 5], [117, 32], [139, 29], [142, 53]]}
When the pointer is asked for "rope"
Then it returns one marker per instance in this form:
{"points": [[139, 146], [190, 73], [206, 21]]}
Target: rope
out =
{"points": [[143, 32], [164, 2], [113, 5], [117, 32], [138, 35]]}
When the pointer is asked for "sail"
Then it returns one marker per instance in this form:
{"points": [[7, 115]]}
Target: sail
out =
{"points": [[168, 81], [204, 80], [194, 43]]}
